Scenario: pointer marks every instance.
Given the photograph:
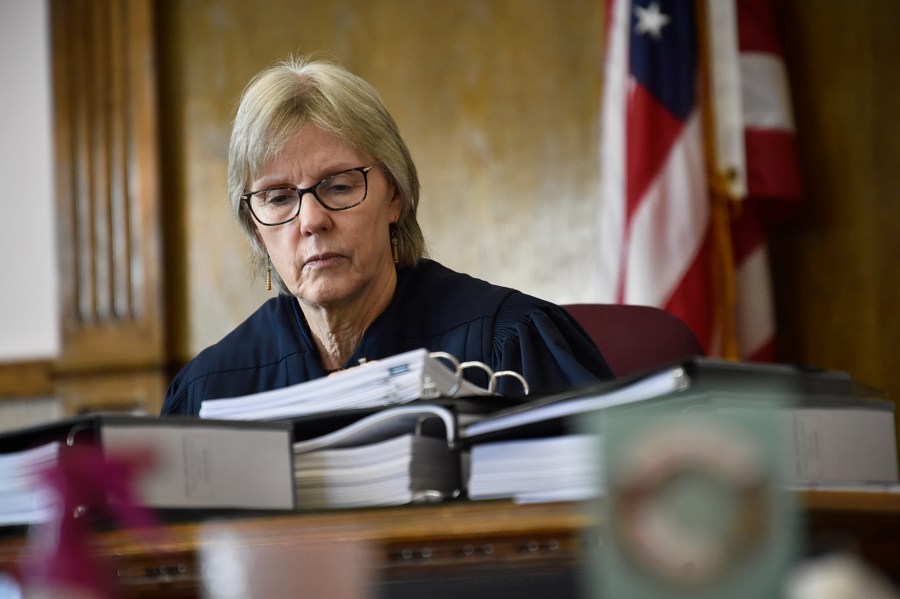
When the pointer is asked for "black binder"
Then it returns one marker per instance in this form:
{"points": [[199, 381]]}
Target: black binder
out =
{"points": [[552, 414], [195, 464]]}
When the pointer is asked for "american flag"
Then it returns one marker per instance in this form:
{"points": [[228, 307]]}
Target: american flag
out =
{"points": [[697, 161]]}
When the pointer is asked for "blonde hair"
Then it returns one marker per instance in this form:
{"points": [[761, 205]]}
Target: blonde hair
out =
{"points": [[282, 99]]}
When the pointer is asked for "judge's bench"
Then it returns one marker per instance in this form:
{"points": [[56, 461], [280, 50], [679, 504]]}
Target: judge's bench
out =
{"points": [[454, 549]]}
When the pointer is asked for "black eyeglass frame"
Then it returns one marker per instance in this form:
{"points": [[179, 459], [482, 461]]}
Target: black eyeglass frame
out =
{"points": [[302, 191]]}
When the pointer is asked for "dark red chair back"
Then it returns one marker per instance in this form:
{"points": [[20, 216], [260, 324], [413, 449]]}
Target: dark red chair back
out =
{"points": [[636, 338]]}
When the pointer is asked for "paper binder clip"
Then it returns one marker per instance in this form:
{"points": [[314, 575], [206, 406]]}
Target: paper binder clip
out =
{"points": [[442, 355], [512, 373]]}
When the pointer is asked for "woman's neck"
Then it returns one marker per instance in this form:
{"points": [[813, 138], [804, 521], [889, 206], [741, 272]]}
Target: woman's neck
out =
{"points": [[338, 328]]}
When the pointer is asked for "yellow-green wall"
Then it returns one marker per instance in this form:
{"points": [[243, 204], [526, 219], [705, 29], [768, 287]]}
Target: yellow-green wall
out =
{"points": [[497, 100]]}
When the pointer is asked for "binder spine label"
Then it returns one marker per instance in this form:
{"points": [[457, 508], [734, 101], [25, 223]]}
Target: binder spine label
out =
{"points": [[198, 482]]}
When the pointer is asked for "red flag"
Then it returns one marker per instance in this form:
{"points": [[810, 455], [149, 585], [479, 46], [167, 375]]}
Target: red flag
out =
{"points": [[697, 155]]}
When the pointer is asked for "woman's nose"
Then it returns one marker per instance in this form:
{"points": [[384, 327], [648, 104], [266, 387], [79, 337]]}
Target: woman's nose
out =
{"points": [[313, 217]]}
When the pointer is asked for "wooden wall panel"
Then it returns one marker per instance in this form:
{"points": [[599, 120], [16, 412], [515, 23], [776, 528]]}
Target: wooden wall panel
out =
{"points": [[110, 238], [26, 379], [836, 272]]}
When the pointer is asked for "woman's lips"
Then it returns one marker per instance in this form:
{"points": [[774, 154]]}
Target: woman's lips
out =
{"points": [[322, 260]]}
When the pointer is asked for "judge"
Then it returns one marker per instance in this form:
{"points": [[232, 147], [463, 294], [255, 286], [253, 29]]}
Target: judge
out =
{"points": [[326, 191]]}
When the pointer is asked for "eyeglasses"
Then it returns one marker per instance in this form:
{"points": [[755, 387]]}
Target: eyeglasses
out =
{"points": [[279, 205]]}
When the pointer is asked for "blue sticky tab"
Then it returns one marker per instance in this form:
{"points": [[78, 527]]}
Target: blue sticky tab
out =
{"points": [[398, 370]]}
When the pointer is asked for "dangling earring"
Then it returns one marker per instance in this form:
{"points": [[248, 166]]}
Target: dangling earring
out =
{"points": [[395, 244], [269, 274]]}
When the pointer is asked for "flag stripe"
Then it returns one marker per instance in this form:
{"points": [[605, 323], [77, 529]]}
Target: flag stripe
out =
{"points": [[725, 86], [747, 232], [755, 315], [764, 92], [667, 231], [610, 216], [651, 132], [691, 300], [772, 170], [756, 27], [772, 173]]}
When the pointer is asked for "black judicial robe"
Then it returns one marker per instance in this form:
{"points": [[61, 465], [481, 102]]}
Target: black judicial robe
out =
{"points": [[433, 307]]}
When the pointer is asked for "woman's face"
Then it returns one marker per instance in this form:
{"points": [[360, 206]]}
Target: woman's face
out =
{"points": [[328, 258]]}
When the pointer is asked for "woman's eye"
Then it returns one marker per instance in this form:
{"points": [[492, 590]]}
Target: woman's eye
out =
{"points": [[280, 196], [338, 188], [337, 185]]}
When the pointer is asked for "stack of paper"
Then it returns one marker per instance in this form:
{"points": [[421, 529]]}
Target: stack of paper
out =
{"points": [[23, 500], [399, 379], [404, 469], [394, 456], [563, 468]]}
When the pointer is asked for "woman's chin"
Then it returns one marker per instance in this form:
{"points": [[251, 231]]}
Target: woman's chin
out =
{"points": [[322, 297]]}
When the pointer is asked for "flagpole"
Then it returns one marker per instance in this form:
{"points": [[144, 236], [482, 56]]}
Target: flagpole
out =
{"points": [[723, 204]]}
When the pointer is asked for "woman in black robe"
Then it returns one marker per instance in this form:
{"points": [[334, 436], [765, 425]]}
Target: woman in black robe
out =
{"points": [[325, 188]]}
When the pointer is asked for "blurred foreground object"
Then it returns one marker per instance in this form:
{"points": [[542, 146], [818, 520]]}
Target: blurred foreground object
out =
{"points": [[237, 563], [693, 502], [837, 577], [86, 484]]}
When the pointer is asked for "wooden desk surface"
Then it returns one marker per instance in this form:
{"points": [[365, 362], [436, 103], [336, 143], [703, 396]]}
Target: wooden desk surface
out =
{"points": [[455, 535], [885, 504]]}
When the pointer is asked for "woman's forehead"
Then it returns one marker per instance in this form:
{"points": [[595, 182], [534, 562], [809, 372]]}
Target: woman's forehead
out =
{"points": [[311, 152]]}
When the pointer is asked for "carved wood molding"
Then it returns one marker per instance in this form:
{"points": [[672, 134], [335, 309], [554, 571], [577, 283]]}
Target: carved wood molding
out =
{"points": [[32, 378], [134, 391], [107, 185]]}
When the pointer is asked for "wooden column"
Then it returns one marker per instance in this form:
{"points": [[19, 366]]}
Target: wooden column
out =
{"points": [[109, 206]]}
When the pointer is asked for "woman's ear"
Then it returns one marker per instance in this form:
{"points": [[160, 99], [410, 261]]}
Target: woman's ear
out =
{"points": [[395, 205]]}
